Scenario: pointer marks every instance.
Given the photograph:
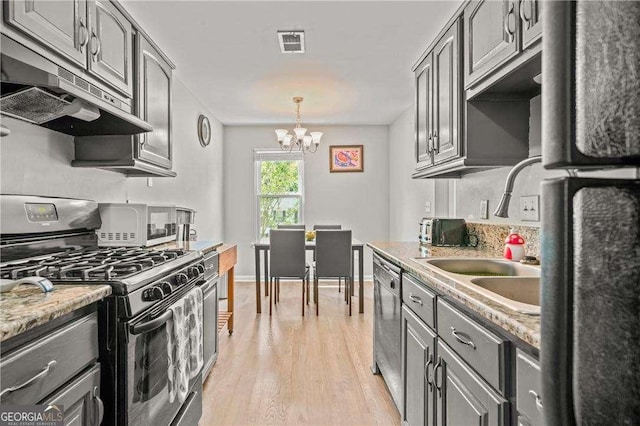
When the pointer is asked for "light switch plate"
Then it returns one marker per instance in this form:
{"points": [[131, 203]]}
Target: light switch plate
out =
{"points": [[149, 181], [530, 208], [427, 207], [484, 209]]}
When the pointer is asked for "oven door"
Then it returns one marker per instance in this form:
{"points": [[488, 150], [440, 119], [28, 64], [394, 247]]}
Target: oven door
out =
{"points": [[161, 224], [147, 377]]}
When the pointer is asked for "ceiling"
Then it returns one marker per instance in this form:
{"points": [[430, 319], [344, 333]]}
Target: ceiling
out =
{"points": [[356, 68]]}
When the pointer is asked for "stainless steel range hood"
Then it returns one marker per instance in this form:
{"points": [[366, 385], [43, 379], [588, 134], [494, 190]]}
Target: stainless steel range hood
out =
{"points": [[37, 90]]}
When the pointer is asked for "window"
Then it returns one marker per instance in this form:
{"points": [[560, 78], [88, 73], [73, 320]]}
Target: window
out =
{"points": [[279, 190]]}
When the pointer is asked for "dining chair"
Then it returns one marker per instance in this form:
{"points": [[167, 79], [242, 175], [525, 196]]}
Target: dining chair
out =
{"points": [[287, 260], [317, 227], [296, 227], [333, 260]]}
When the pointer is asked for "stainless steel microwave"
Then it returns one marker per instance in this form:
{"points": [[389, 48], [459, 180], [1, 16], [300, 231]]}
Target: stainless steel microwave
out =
{"points": [[127, 224]]}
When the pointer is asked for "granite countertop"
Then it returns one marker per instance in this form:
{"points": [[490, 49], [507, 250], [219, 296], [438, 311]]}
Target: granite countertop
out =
{"points": [[203, 246], [525, 327], [27, 307]]}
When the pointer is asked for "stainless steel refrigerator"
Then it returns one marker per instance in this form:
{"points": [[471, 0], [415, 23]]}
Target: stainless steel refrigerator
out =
{"points": [[590, 352]]}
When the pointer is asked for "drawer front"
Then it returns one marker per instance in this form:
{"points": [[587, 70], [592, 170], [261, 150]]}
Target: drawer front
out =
{"points": [[480, 348], [529, 388], [419, 299], [387, 274], [31, 373]]}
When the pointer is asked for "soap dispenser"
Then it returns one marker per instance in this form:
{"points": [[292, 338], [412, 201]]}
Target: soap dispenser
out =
{"points": [[514, 246]]}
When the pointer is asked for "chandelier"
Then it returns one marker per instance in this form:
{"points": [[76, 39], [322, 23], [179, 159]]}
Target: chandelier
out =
{"points": [[299, 140]]}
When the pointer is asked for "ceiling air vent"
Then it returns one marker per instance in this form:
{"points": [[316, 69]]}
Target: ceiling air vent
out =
{"points": [[291, 41]]}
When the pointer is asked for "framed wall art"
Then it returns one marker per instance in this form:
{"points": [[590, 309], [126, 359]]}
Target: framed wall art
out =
{"points": [[346, 158]]}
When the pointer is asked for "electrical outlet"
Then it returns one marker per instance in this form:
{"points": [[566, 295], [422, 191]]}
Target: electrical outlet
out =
{"points": [[427, 207], [530, 208], [484, 209]]}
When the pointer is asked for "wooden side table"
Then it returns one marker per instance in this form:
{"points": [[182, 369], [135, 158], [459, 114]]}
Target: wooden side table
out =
{"points": [[228, 257]]}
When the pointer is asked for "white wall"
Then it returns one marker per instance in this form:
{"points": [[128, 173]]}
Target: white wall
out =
{"points": [[408, 196], [358, 201], [35, 160]]}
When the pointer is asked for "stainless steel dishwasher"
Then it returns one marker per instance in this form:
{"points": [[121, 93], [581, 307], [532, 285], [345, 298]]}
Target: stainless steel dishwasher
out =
{"points": [[387, 326]]}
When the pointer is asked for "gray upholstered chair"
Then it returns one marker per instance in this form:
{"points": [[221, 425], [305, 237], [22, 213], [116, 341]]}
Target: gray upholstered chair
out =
{"points": [[317, 227], [333, 260], [287, 260], [297, 227]]}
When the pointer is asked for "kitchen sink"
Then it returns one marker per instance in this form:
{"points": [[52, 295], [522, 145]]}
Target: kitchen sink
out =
{"points": [[484, 267], [522, 294]]}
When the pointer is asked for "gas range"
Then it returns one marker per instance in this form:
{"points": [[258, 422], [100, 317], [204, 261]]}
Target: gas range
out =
{"points": [[54, 238]]}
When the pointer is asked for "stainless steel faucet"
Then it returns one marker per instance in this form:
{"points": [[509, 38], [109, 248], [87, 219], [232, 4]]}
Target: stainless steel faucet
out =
{"points": [[503, 207]]}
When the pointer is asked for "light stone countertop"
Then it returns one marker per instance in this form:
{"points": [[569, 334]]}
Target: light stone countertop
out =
{"points": [[27, 307], [525, 327]]}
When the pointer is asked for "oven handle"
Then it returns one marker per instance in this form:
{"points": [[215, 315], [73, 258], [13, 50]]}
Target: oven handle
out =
{"points": [[207, 285], [151, 325]]}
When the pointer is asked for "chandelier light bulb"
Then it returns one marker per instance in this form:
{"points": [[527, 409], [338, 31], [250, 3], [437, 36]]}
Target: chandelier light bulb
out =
{"points": [[287, 140], [281, 133], [316, 137], [307, 141], [300, 132]]}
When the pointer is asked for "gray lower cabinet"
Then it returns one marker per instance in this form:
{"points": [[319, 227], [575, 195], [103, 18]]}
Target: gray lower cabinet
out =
{"points": [[57, 367], [463, 397], [528, 390], [418, 357], [81, 399]]}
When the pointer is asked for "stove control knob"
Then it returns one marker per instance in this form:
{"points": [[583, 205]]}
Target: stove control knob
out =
{"points": [[182, 278], [166, 287], [194, 272], [152, 294], [201, 268]]}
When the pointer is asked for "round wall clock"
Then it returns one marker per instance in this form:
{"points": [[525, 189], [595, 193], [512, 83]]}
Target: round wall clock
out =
{"points": [[204, 130]]}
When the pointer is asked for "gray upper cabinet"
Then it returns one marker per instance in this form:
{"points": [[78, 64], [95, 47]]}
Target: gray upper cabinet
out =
{"points": [[446, 66], [418, 358], [530, 13], [424, 111], [59, 25], [110, 45], [491, 36], [438, 97], [154, 104]]}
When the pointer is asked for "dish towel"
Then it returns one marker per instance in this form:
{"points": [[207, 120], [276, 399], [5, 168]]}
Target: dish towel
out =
{"points": [[184, 344]]}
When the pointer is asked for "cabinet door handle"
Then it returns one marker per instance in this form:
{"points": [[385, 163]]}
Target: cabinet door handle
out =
{"points": [[459, 337], [430, 143], [435, 375], [99, 406], [507, 26], [415, 299], [85, 34], [427, 376], [95, 41], [46, 370], [436, 142], [535, 395]]}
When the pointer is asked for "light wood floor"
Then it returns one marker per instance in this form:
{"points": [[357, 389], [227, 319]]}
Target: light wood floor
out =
{"points": [[292, 370]]}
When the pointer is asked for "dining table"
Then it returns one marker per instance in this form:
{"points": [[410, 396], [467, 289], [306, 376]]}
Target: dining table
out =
{"points": [[262, 247]]}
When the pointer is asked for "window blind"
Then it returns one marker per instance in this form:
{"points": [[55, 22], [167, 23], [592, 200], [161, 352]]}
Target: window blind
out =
{"points": [[276, 155]]}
